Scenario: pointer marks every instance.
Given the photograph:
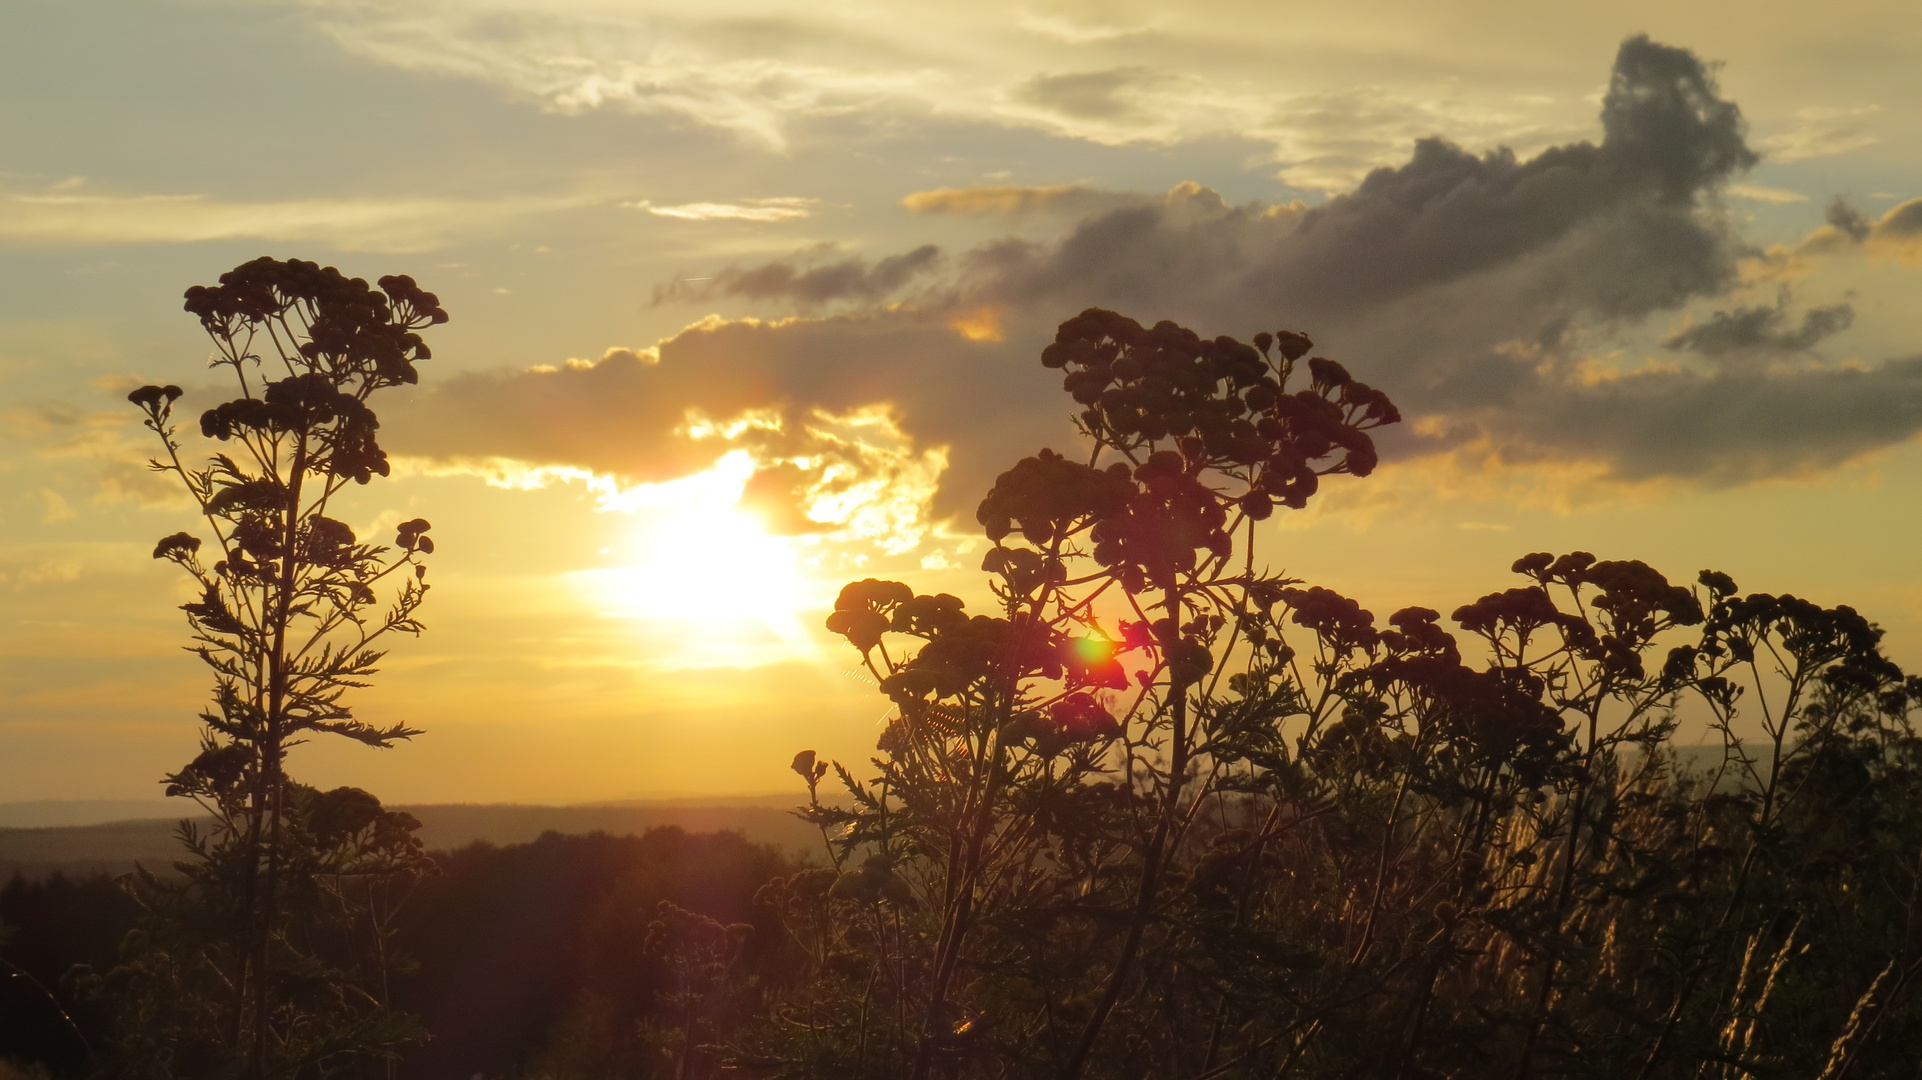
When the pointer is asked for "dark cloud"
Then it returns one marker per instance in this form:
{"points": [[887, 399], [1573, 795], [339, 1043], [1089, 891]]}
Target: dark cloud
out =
{"points": [[807, 282], [1663, 119], [1730, 429], [1762, 329], [1631, 202], [1847, 220], [1467, 285]]}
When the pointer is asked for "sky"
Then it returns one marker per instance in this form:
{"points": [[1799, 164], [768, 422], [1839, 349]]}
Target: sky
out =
{"points": [[747, 297]]}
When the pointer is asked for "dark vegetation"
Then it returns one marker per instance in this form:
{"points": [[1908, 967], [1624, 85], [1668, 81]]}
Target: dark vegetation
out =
{"points": [[116, 847], [1164, 813], [269, 953], [1160, 812], [523, 959]]}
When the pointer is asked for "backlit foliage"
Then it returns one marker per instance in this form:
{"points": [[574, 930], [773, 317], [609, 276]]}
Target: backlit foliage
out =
{"points": [[1165, 813], [267, 957]]}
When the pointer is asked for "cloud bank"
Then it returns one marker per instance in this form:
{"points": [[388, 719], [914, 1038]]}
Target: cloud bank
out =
{"points": [[1475, 288]]}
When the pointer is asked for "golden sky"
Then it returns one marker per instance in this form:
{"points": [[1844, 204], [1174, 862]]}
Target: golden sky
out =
{"points": [[747, 298]]}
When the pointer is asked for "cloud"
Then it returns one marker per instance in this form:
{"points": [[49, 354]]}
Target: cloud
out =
{"points": [[1847, 220], [771, 74], [1323, 139], [109, 444], [799, 395], [636, 420], [1076, 32], [1733, 428], [856, 477], [1762, 329], [1619, 224], [1003, 200], [1116, 95], [1899, 230], [1487, 292], [1758, 193], [67, 218], [1822, 132], [807, 281], [1902, 222], [750, 77], [777, 209]]}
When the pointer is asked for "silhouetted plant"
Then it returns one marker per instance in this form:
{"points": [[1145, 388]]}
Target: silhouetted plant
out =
{"points": [[1167, 814], [1034, 793], [703, 960], [267, 957]]}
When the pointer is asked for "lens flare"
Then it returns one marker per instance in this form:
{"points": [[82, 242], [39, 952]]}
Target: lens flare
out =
{"points": [[1093, 650]]}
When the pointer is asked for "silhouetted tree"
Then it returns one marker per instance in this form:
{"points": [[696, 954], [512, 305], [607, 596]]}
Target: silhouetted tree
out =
{"points": [[268, 957]]}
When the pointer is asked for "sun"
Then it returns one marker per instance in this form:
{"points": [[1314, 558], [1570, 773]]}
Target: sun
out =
{"points": [[695, 557]]}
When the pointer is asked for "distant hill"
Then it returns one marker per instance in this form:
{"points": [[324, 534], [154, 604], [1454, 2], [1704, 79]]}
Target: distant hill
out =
{"points": [[45, 812], [115, 846]]}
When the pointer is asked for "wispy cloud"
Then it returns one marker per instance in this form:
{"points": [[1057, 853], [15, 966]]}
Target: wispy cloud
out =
{"points": [[778, 209], [108, 441], [752, 73], [1822, 131], [997, 200], [764, 70], [1078, 32], [70, 218], [1758, 193]]}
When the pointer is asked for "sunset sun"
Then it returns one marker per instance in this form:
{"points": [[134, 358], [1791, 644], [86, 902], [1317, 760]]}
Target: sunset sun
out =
{"points": [[695, 556]]}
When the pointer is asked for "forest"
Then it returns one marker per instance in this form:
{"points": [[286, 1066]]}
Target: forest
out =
{"points": [[1143, 807]]}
